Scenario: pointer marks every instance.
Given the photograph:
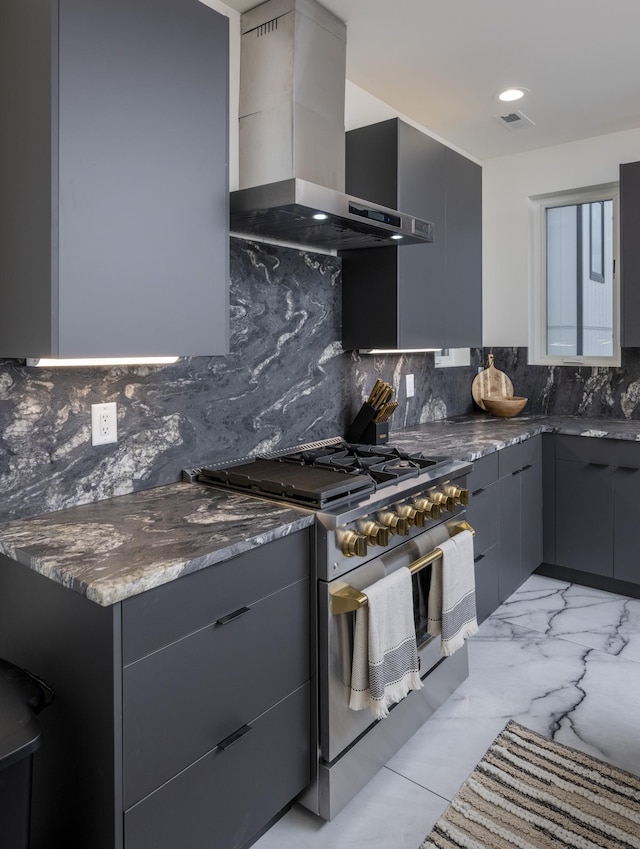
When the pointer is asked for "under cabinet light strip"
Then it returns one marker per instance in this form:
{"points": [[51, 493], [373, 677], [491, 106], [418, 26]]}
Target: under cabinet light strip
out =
{"points": [[43, 362], [397, 350]]}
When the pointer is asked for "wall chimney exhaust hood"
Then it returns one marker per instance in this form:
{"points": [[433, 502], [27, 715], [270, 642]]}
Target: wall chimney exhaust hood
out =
{"points": [[292, 137]]}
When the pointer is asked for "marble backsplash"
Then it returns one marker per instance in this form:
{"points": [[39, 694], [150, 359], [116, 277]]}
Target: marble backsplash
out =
{"points": [[573, 391], [286, 381]]}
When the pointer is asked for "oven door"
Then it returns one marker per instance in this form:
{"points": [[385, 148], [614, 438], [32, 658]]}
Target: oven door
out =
{"points": [[340, 726]]}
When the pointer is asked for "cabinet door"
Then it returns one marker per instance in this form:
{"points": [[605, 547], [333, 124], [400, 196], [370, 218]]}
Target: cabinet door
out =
{"points": [[484, 516], [487, 576], [630, 254], [225, 797], [209, 684], [143, 198], [626, 565], [463, 290], [422, 276], [530, 518], [510, 539], [584, 514]]}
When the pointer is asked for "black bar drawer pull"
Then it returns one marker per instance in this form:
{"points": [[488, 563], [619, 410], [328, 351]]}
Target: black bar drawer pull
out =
{"points": [[231, 616], [233, 738], [599, 465], [628, 469], [528, 466], [479, 558], [478, 491]]}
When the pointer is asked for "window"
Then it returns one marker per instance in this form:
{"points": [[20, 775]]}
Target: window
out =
{"points": [[573, 286]]}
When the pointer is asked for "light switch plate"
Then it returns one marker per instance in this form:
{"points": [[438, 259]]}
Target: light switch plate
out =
{"points": [[410, 386]]}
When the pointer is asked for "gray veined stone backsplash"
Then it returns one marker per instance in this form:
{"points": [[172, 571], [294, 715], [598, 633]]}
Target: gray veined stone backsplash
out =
{"points": [[286, 381], [574, 391]]}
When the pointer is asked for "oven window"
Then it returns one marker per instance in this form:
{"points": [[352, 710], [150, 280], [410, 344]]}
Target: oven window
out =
{"points": [[421, 583]]}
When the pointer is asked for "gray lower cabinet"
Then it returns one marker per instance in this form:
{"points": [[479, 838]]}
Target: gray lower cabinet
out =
{"points": [[520, 493], [626, 489], [597, 507], [505, 509], [484, 516], [182, 715], [230, 793], [216, 723], [114, 174]]}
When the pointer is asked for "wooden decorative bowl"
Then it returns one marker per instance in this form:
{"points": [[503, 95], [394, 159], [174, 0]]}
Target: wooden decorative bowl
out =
{"points": [[504, 406]]}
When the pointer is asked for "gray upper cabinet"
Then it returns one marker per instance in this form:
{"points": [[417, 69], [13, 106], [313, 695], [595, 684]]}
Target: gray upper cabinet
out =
{"points": [[630, 255], [114, 172], [414, 296]]}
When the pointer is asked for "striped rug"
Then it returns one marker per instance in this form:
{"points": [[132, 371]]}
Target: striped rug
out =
{"points": [[530, 793]]}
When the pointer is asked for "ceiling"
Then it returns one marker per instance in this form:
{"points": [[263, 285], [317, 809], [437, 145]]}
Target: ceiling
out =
{"points": [[441, 63]]}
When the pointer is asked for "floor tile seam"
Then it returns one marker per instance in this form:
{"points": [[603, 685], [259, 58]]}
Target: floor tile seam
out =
{"points": [[417, 784], [564, 639]]}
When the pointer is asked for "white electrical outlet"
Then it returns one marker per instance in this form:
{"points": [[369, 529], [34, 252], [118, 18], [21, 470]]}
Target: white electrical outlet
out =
{"points": [[410, 387], [104, 423]]}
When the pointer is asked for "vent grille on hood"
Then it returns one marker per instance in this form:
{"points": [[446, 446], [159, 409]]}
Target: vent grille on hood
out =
{"points": [[292, 136]]}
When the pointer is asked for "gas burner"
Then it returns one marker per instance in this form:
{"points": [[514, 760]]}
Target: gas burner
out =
{"points": [[321, 475]]}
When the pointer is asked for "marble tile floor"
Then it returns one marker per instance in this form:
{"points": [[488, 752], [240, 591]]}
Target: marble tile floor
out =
{"points": [[559, 658]]}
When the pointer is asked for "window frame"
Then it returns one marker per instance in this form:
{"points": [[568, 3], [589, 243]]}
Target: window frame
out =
{"points": [[538, 205]]}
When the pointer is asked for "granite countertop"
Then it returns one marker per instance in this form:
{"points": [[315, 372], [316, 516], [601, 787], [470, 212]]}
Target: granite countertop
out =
{"points": [[473, 436], [113, 549]]}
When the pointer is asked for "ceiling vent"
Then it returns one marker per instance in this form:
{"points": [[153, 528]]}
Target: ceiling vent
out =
{"points": [[514, 120]]}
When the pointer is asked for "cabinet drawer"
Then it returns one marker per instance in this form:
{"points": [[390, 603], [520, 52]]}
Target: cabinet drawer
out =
{"points": [[483, 513], [516, 457], [583, 449], [158, 617], [599, 451], [180, 702], [224, 798], [485, 472]]}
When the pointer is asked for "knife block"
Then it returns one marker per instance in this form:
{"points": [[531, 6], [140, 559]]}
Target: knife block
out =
{"points": [[363, 419], [375, 433]]}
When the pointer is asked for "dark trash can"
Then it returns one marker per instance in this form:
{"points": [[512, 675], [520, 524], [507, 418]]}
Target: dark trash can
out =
{"points": [[22, 696]]}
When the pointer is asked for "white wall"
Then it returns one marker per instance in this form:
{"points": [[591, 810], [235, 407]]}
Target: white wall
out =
{"points": [[362, 108], [508, 182]]}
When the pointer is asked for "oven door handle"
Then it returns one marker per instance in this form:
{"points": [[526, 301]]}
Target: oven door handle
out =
{"points": [[346, 599]]}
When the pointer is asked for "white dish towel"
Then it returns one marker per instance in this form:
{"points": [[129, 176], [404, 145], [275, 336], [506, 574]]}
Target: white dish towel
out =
{"points": [[452, 596], [385, 656]]}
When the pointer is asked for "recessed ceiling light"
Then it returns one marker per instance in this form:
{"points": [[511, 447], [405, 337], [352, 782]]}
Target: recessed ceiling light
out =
{"points": [[511, 94], [397, 236], [320, 216]]}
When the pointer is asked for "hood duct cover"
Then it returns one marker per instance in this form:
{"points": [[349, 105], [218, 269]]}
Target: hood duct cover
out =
{"points": [[292, 136]]}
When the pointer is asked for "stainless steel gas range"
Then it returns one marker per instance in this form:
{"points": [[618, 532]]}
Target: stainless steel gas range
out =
{"points": [[377, 509]]}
